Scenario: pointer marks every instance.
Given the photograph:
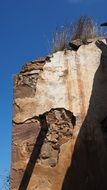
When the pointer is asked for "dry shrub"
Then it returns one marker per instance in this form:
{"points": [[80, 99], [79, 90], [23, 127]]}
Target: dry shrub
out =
{"points": [[61, 38], [85, 28]]}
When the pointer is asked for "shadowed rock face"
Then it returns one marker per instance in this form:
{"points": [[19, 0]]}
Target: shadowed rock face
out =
{"points": [[89, 161], [38, 146], [51, 101]]}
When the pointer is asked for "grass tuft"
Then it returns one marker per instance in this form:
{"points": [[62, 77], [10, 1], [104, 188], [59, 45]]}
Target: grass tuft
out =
{"points": [[84, 29]]}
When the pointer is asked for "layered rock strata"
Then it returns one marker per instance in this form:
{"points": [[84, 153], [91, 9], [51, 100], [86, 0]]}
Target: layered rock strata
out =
{"points": [[51, 99]]}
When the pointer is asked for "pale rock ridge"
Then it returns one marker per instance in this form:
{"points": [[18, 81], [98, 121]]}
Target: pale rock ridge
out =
{"points": [[61, 83]]}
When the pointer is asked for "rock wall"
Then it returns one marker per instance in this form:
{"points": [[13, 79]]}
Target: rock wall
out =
{"points": [[51, 100]]}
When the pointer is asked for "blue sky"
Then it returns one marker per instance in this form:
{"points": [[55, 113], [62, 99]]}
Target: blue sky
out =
{"points": [[26, 28]]}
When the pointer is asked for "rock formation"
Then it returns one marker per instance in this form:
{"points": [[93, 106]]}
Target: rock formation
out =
{"points": [[51, 103]]}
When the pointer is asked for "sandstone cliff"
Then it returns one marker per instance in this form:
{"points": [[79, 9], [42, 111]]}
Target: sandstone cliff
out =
{"points": [[54, 98]]}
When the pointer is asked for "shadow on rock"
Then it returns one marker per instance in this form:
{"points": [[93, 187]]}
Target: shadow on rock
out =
{"points": [[35, 153], [88, 167]]}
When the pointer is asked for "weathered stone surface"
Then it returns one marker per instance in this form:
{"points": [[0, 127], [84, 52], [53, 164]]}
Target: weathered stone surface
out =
{"points": [[46, 93], [24, 137], [16, 175], [89, 161], [40, 141], [63, 83], [24, 91], [37, 65], [60, 124], [79, 42]]}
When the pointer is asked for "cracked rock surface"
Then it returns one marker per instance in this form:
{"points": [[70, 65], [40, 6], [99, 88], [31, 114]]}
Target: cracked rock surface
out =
{"points": [[41, 141], [51, 99]]}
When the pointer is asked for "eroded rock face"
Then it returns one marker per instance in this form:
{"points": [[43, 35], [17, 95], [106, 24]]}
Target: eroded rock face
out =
{"points": [[51, 99], [37, 149], [60, 82], [60, 124]]}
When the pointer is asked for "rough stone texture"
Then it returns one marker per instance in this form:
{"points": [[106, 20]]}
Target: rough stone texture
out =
{"points": [[37, 149], [61, 83], [51, 101], [88, 166]]}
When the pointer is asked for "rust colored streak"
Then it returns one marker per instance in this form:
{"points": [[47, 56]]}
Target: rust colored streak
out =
{"points": [[81, 90], [68, 83]]}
